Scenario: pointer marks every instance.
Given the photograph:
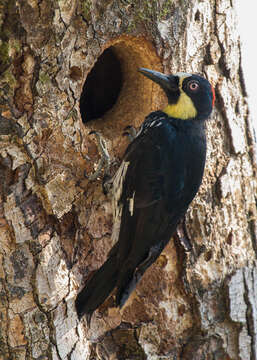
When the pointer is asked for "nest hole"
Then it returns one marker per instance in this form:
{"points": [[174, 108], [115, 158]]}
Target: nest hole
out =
{"points": [[102, 86], [115, 94]]}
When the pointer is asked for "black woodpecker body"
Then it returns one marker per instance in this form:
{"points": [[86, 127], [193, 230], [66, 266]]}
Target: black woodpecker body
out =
{"points": [[159, 176]]}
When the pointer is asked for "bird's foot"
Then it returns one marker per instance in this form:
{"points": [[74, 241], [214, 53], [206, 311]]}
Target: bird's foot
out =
{"points": [[105, 161], [130, 132], [183, 235], [153, 254]]}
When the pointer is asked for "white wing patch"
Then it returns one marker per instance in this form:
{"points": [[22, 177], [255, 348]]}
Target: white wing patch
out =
{"points": [[117, 188], [131, 204], [118, 180]]}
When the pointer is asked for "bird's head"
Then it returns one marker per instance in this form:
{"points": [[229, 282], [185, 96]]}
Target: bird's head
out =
{"points": [[189, 96]]}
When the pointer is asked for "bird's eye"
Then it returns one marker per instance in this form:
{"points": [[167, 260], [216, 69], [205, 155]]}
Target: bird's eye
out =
{"points": [[193, 85]]}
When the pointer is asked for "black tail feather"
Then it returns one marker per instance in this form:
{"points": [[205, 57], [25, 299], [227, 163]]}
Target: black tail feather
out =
{"points": [[97, 289], [129, 278]]}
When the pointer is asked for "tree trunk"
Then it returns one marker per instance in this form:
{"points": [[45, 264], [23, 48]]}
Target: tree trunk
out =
{"points": [[56, 224]]}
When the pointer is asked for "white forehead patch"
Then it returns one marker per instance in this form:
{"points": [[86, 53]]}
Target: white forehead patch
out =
{"points": [[183, 75]]}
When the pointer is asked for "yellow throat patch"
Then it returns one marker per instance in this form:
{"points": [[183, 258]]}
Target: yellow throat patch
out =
{"points": [[184, 109]]}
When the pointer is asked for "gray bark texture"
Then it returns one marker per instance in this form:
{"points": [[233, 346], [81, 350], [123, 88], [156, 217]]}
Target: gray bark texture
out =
{"points": [[56, 225]]}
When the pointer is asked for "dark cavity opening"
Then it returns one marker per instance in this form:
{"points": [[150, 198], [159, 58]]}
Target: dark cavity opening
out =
{"points": [[102, 86]]}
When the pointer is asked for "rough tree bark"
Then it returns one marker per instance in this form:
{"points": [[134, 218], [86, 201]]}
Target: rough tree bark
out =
{"points": [[56, 225]]}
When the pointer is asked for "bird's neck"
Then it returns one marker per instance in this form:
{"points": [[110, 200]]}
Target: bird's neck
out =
{"points": [[184, 109], [197, 125]]}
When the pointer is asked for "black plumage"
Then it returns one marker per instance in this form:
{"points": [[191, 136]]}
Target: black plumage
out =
{"points": [[160, 174]]}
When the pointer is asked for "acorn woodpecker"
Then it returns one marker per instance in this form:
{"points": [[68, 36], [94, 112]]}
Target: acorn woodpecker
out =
{"points": [[158, 178]]}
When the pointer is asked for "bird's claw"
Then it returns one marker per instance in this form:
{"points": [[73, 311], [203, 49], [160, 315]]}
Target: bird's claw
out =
{"points": [[130, 132], [183, 235], [104, 162]]}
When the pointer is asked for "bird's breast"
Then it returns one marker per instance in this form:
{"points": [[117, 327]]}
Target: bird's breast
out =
{"points": [[184, 166]]}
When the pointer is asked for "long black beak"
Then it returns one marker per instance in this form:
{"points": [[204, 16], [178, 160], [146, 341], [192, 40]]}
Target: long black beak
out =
{"points": [[167, 82]]}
